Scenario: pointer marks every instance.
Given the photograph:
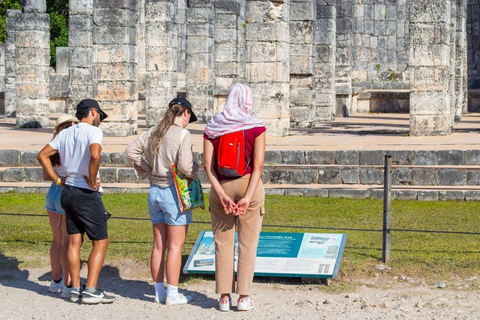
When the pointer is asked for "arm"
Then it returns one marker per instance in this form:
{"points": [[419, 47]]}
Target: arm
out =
{"points": [[185, 158], [94, 165], [44, 158], [256, 175], [227, 202], [134, 156]]}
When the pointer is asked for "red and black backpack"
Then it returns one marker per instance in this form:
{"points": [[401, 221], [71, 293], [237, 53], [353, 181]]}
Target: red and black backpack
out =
{"points": [[231, 160]]}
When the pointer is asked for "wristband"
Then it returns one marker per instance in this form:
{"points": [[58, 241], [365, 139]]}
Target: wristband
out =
{"points": [[59, 181]]}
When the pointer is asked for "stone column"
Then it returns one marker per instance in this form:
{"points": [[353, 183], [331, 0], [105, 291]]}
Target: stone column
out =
{"points": [[473, 34], [80, 44], [452, 88], [200, 57], [229, 45], [343, 68], [141, 65], [2, 78], [161, 57], [303, 14], [461, 59], [268, 62], [115, 65], [182, 45], [32, 64], [430, 109], [325, 58], [10, 75], [59, 82]]}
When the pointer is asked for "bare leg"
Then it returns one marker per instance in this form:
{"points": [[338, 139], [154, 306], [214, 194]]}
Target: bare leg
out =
{"points": [[157, 259], [95, 261], [73, 256], [176, 239], [63, 255], [56, 247]]}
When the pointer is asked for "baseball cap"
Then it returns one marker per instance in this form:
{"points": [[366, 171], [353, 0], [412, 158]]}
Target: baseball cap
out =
{"points": [[64, 118], [186, 103], [90, 103]]}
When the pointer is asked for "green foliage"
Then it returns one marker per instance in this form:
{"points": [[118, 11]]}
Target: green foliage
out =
{"points": [[58, 12], [4, 6]]}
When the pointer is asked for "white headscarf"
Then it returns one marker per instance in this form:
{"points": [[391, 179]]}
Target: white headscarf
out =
{"points": [[236, 114]]}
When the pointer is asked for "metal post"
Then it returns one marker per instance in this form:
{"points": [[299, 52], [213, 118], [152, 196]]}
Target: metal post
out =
{"points": [[387, 202]]}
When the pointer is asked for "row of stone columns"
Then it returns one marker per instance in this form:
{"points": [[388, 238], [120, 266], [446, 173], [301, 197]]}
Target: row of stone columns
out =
{"points": [[295, 54]]}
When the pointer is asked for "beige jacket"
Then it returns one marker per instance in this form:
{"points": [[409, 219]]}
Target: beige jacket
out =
{"points": [[171, 151]]}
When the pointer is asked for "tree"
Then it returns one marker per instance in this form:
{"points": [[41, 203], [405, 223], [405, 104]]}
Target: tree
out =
{"points": [[58, 12], [4, 6]]}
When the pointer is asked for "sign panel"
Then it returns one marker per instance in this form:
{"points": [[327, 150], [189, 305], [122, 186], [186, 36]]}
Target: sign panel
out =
{"points": [[313, 255]]}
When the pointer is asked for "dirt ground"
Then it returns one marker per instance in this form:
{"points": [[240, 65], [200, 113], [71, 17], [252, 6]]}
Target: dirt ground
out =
{"points": [[24, 295]]}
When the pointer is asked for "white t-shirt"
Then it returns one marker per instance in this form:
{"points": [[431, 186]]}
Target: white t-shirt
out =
{"points": [[73, 145]]}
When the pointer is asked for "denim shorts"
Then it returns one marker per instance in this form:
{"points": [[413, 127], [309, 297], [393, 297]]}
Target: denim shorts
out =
{"points": [[163, 207], [52, 201]]}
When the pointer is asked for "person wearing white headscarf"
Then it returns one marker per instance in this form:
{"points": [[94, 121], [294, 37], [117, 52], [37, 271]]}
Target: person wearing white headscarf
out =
{"points": [[236, 201]]}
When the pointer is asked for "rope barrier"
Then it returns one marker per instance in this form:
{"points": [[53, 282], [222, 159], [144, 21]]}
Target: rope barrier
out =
{"points": [[279, 226]]}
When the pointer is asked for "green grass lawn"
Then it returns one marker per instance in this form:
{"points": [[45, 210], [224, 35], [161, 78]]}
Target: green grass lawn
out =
{"points": [[27, 239]]}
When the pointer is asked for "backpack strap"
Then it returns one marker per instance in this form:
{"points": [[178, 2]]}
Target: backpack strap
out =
{"points": [[182, 136]]}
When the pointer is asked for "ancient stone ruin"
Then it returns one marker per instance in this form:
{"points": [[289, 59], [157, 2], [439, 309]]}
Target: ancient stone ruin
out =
{"points": [[306, 60]]}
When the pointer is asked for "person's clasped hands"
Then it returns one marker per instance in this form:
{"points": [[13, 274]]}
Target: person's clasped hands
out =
{"points": [[237, 209]]}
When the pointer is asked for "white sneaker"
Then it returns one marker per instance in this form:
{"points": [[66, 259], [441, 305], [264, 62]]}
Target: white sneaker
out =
{"points": [[181, 299], [224, 304], [160, 298], [245, 304], [56, 287]]}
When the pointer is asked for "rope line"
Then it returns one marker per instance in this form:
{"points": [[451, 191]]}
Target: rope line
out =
{"points": [[282, 226]]}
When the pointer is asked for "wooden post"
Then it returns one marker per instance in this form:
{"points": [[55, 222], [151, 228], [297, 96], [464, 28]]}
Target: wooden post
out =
{"points": [[387, 202]]}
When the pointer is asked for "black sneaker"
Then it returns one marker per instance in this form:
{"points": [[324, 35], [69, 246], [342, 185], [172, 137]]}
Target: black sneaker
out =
{"points": [[96, 297], [75, 295]]}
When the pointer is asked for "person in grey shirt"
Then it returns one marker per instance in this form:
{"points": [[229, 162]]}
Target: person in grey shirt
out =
{"points": [[164, 145]]}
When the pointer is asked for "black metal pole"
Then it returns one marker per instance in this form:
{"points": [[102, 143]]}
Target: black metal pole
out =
{"points": [[387, 202]]}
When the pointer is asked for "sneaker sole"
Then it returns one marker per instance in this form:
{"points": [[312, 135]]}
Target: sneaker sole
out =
{"points": [[95, 301]]}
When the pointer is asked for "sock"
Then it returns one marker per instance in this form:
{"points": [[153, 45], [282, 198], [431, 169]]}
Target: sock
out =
{"points": [[69, 287], [91, 289], [160, 288], [172, 292], [76, 289], [58, 281]]}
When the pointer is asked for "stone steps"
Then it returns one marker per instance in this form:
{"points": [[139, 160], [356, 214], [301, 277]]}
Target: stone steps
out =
{"points": [[422, 193], [299, 157], [404, 175]]}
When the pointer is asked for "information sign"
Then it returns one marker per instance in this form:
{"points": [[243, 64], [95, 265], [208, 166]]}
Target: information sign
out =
{"points": [[313, 255]]}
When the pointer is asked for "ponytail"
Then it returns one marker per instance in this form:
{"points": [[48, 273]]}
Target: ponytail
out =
{"points": [[163, 126]]}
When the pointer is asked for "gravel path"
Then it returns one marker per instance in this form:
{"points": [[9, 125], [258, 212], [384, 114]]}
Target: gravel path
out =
{"points": [[24, 295]]}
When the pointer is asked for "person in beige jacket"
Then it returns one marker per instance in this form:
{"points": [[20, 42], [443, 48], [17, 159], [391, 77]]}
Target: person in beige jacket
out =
{"points": [[165, 144]]}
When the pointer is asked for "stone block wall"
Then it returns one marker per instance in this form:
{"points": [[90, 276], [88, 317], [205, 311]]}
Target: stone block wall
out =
{"points": [[80, 44], [267, 62], [115, 65], [305, 60], [32, 64], [161, 57], [381, 44], [200, 56]]}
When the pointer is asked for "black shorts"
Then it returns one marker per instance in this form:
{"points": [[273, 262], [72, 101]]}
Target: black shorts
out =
{"points": [[84, 212]]}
